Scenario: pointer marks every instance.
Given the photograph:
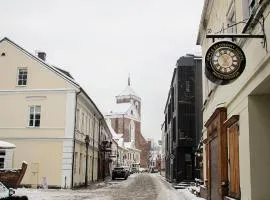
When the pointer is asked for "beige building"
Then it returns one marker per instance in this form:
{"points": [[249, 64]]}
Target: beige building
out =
{"points": [[47, 115], [237, 116]]}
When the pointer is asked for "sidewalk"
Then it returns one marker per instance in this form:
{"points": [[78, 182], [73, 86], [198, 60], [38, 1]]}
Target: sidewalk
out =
{"points": [[183, 193]]}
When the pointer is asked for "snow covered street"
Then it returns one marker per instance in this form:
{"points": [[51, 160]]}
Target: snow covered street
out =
{"points": [[136, 187]]}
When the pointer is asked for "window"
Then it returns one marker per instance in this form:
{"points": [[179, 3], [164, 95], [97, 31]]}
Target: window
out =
{"points": [[248, 7], [77, 118], [2, 159], [82, 127], [75, 162], [22, 77], [34, 118], [80, 163], [231, 18], [187, 86]]}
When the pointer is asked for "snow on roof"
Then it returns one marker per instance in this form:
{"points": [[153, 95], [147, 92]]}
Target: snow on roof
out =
{"points": [[128, 144], [128, 91], [114, 134], [6, 145], [120, 108]]}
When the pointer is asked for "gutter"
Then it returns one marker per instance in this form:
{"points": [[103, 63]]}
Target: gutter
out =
{"points": [[74, 135]]}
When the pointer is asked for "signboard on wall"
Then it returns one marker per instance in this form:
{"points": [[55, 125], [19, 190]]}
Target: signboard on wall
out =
{"points": [[224, 62]]}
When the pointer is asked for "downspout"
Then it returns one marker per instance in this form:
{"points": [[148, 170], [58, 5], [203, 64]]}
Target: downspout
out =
{"points": [[93, 148], [74, 135], [99, 129]]}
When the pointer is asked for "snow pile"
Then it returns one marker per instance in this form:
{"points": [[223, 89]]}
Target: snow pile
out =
{"points": [[6, 145], [188, 195]]}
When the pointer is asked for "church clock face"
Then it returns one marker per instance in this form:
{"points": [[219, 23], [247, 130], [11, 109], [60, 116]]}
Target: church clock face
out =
{"points": [[224, 62]]}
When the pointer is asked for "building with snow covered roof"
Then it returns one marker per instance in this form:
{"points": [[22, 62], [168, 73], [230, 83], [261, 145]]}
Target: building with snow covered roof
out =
{"points": [[125, 118]]}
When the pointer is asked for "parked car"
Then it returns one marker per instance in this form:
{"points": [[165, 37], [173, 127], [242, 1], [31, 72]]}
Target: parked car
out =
{"points": [[127, 168], [134, 170], [119, 172]]}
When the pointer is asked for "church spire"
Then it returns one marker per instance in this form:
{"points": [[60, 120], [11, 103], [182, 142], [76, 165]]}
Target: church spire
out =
{"points": [[128, 79]]}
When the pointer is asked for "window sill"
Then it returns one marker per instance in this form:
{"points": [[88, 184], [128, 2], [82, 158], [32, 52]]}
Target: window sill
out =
{"points": [[33, 127], [21, 86]]}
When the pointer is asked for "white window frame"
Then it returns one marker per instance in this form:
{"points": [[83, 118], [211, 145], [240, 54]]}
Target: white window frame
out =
{"points": [[231, 17], [18, 79], [34, 116]]}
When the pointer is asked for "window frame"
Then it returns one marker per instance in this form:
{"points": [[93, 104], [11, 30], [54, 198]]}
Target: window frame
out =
{"points": [[231, 18], [18, 74], [34, 116]]}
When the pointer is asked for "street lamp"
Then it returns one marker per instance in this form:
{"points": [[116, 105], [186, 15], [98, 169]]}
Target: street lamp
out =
{"points": [[87, 140]]}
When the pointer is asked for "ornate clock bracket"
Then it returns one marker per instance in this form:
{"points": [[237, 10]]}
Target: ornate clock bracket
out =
{"points": [[220, 34]]}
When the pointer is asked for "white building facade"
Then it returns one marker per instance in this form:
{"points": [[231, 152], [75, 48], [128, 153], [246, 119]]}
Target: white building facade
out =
{"points": [[236, 116]]}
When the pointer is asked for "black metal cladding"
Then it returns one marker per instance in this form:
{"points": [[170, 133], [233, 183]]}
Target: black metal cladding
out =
{"points": [[183, 118]]}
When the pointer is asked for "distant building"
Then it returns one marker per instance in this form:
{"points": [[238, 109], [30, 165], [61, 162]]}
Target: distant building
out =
{"points": [[126, 119], [183, 118]]}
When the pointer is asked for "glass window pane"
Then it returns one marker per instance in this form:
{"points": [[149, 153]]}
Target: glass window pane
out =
{"points": [[31, 122], [24, 82], [19, 82], [37, 123], [31, 116], [31, 110], [37, 109], [37, 116]]}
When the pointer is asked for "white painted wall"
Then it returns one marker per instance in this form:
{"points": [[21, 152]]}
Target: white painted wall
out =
{"points": [[67, 158], [259, 123]]}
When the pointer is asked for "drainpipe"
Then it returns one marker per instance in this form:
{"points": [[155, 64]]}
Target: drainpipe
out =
{"points": [[99, 130], [74, 135], [93, 148]]}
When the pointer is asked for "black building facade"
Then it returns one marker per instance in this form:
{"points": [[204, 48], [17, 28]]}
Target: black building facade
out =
{"points": [[183, 119]]}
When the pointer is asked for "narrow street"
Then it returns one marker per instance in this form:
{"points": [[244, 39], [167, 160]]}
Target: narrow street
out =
{"points": [[136, 187]]}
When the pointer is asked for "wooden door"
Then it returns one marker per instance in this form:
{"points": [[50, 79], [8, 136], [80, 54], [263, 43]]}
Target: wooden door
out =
{"points": [[233, 161], [214, 178]]}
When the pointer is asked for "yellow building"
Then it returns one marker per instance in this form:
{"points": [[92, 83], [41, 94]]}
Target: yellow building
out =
{"points": [[48, 116]]}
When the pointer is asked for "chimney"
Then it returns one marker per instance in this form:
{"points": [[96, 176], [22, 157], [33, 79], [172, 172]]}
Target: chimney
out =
{"points": [[41, 55]]}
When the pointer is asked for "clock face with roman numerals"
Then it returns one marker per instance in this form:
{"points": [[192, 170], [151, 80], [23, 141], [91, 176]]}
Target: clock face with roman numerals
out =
{"points": [[224, 62]]}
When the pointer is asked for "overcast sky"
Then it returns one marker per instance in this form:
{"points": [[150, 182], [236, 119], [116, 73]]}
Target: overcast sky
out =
{"points": [[101, 41]]}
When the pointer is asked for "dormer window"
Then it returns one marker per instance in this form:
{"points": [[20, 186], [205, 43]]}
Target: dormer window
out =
{"points": [[22, 77]]}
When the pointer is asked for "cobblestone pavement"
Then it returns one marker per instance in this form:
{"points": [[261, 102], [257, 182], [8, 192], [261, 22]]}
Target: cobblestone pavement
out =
{"points": [[136, 187]]}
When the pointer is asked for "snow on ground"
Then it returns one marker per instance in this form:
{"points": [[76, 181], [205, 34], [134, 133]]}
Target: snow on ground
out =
{"points": [[136, 187]]}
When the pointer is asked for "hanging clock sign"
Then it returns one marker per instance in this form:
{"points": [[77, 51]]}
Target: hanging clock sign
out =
{"points": [[224, 62]]}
